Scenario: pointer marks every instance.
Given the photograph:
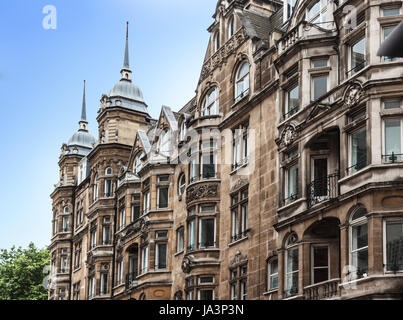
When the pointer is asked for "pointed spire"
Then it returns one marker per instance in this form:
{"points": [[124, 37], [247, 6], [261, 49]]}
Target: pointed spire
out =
{"points": [[84, 107], [126, 64], [83, 124]]}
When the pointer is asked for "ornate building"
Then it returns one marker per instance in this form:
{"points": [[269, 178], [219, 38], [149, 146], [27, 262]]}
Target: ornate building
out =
{"points": [[280, 179]]}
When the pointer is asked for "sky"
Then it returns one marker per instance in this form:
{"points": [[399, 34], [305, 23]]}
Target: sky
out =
{"points": [[41, 79]]}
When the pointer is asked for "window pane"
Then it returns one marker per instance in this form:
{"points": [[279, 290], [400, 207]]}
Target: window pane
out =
{"points": [[207, 232], [360, 261], [358, 56], [163, 198], [292, 260], [292, 181], [208, 166], [360, 236], [162, 256], [392, 104], [394, 246], [359, 149], [392, 137], [293, 99], [391, 12], [319, 87], [206, 294], [319, 63], [192, 233]]}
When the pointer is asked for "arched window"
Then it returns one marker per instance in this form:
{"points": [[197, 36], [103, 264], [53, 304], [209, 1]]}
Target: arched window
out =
{"points": [[183, 131], [231, 27], [138, 164], [66, 210], [359, 243], [182, 184], [316, 13], [291, 265], [242, 81], [211, 103], [216, 41], [165, 144], [108, 171]]}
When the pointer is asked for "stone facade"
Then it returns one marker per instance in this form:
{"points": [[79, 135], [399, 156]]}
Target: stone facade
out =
{"points": [[280, 179]]}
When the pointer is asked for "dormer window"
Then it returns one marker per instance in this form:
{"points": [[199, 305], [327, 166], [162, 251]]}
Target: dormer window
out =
{"points": [[210, 105], [288, 9], [231, 28], [216, 41], [183, 131], [165, 144], [316, 13], [242, 81], [138, 163]]}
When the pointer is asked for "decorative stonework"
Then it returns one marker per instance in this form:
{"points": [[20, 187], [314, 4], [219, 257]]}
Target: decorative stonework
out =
{"points": [[238, 260], [353, 94], [201, 191], [221, 56], [178, 295], [288, 136], [242, 182], [186, 265]]}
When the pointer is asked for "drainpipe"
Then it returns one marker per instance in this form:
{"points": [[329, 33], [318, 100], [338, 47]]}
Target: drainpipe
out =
{"points": [[113, 241], [71, 240]]}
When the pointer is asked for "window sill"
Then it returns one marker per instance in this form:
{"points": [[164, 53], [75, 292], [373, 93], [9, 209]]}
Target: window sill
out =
{"points": [[271, 291], [234, 243], [179, 253], [234, 171], [292, 204], [237, 102]]}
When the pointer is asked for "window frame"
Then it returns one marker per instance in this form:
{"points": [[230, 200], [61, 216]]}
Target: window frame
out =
{"points": [[385, 242], [244, 79], [353, 223], [384, 155]]}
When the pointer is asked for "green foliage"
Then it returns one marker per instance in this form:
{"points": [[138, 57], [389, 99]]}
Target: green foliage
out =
{"points": [[22, 273]]}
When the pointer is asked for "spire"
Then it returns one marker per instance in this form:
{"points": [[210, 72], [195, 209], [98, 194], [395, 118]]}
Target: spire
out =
{"points": [[84, 107], [126, 64], [83, 122], [126, 72]]}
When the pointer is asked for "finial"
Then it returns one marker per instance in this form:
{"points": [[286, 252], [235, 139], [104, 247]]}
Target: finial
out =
{"points": [[126, 64], [84, 107]]}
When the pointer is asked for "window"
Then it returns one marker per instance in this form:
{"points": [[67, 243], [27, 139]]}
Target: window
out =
{"points": [[93, 239], [106, 234], [238, 282], [288, 9], [144, 260], [208, 165], [239, 209], [231, 27], [357, 56], [138, 164], [193, 169], [206, 294], [240, 146], [161, 234], [319, 63], [160, 256], [319, 86], [242, 81], [291, 184], [91, 288], [291, 266], [207, 232], [63, 264], [216, 41], [183, 131], [359, 243], [320, 263], [316, 13], [65, 224], [392, 104], [391, 12], [211, 103], [108, 171], [182, 184], [164, 178], [394, 245], [358, 150], [272, 274], [163, 197], [122, 218], [146, 202], [292, 102], [164, 146], [76, 291], [77, 255], [95, 189], [393, 140], [206, 279], [192, 235], [386, 32], [207, 208], [108, 188], [119, 277], [180, 239], [104, 283], [135, 209]]}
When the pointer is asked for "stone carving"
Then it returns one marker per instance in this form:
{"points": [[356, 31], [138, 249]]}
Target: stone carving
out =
{"points": [[353, 95], [238, 259], [242, 182], [288, 136], [186, 265], [201, 191], [178, 295], [221, 56]]}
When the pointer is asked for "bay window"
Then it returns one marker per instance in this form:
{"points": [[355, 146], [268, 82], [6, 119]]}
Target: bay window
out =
{"points": [[240, 146], [291, 266], [211, 103], [393, 140], [65, 224], [292, 102], [160, 256], [180, 239], [192, 235], [319, 86], [208, 165], [359, 243], [358, 150], [357, 56], [144, 260], [242, 81], [163, 197], [291, 184], [320, 263], [108, 188], [104, 283], [206, 232]]}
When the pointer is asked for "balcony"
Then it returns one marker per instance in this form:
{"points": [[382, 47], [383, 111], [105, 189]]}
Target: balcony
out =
{"points": [[392, 158], [322, 291], [323, 189]]}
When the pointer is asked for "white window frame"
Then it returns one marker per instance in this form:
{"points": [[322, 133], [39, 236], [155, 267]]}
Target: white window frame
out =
{"points": [[120, 272], [356, 223], [202, 166], [387, 59], [287, 101], [192, 234], [272, 275], [384, 135], [66, 224], [216, 41], [108, 185], [122, 218], [244, 79], [286, 182], [93, 239], [351, 72], [95, 189], [231, 27], [144, 260], [91, 288], [211, 103], [321, 14], [106, 234], [180, 240], [182, 184], [146, 202], [204, 289]]}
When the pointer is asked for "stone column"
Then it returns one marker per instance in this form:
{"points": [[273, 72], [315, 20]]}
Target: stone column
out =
{"points": [[281, 273], [375, 245]]}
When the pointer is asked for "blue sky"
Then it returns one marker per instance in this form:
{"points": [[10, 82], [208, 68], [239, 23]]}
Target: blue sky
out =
{"points": [[41, 78]]}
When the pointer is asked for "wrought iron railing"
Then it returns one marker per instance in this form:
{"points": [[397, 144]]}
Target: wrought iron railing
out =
{"points": [[356, 69], [239, 236], [392, 158], [291, 112], [290, 199], [323, 189], [358, 166], [131, 279]]}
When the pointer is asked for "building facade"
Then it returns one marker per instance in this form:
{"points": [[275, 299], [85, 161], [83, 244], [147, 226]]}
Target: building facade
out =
{"points": [[280, 179]]}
